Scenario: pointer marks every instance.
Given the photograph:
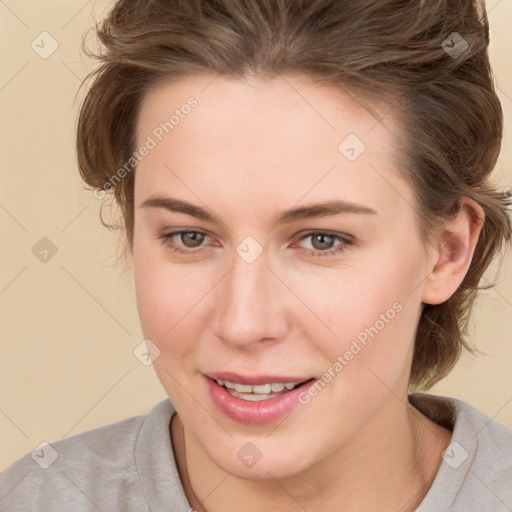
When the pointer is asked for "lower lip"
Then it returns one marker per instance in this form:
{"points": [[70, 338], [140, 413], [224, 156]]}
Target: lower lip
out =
{"points": [[254, 413]]}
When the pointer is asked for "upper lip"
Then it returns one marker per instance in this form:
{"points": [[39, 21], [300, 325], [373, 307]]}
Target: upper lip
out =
{"points": [[254, 380]]}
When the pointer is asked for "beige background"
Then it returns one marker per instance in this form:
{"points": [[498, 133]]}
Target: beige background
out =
{"points": [[70, 324]]}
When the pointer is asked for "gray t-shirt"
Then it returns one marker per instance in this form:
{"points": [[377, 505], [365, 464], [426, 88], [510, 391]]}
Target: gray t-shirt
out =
{"points": [[129, 466]]}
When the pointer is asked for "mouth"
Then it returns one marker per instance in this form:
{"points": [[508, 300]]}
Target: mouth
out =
{"points": [[255, 400]]}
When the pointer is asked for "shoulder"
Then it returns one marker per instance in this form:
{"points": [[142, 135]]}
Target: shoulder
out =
{"points": [[489, 457], [82, 471], [477, 464]]}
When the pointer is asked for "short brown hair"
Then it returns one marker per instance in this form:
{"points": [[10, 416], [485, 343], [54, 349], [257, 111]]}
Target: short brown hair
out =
{"points": [[449, 113]]}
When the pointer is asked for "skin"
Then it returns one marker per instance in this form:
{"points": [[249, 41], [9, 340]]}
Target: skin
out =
{"points": [[248, 151]]}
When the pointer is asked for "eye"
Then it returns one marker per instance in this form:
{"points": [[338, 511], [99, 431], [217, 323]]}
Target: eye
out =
{"points": [[178, 239], [323, 243]]}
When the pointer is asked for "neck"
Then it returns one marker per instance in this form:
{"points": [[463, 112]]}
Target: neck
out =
{"points": [[392, 461]]}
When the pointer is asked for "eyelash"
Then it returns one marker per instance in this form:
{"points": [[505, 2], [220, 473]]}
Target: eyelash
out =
{"points": [[345, 242]]}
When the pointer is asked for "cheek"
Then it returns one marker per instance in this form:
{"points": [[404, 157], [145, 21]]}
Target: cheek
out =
{"points": [[153, 297], [171, 300], [161, 294], [354, 296], [365, 312], [165, 300]]}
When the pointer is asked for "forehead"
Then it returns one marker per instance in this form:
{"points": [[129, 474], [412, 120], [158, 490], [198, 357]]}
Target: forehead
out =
{"points": [[291, 105], [275, 140]]}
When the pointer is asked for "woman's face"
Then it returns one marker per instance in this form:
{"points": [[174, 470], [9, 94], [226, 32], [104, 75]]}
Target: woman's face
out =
{"points": [[300, 262]]}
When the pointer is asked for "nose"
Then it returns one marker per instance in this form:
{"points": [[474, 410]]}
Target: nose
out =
{"points": [[252, 305]]}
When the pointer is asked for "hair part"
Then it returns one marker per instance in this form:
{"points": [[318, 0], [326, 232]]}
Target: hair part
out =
{"points": [[379, 51]]}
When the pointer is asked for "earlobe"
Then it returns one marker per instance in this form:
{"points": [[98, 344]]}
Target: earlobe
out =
{"points": [[451, 256]]}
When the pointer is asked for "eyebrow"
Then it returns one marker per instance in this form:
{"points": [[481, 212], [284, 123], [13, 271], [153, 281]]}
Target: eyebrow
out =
{"points": [[309, 211]]}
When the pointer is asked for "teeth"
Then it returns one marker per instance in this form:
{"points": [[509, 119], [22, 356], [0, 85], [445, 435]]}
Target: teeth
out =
{"points": [[251, 397], [243, 388], [263, 389]]}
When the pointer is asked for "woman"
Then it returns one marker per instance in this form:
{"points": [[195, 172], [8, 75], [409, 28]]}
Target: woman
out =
{"points": [[305, 195]]}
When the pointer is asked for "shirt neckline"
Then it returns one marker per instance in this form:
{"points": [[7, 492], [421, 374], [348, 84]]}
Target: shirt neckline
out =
{"points": [[157, 468]]}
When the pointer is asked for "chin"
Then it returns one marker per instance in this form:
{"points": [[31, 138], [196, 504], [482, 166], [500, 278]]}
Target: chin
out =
{"points": [[256, 460]]}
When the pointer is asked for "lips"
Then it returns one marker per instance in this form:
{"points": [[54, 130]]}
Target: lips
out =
{"points": [[252, 408]]}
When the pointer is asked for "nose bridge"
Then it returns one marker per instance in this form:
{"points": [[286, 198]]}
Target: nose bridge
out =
{"points": [[250, 309]]}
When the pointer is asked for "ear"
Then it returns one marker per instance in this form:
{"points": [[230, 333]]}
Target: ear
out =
{"points": [[450, 257]]}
